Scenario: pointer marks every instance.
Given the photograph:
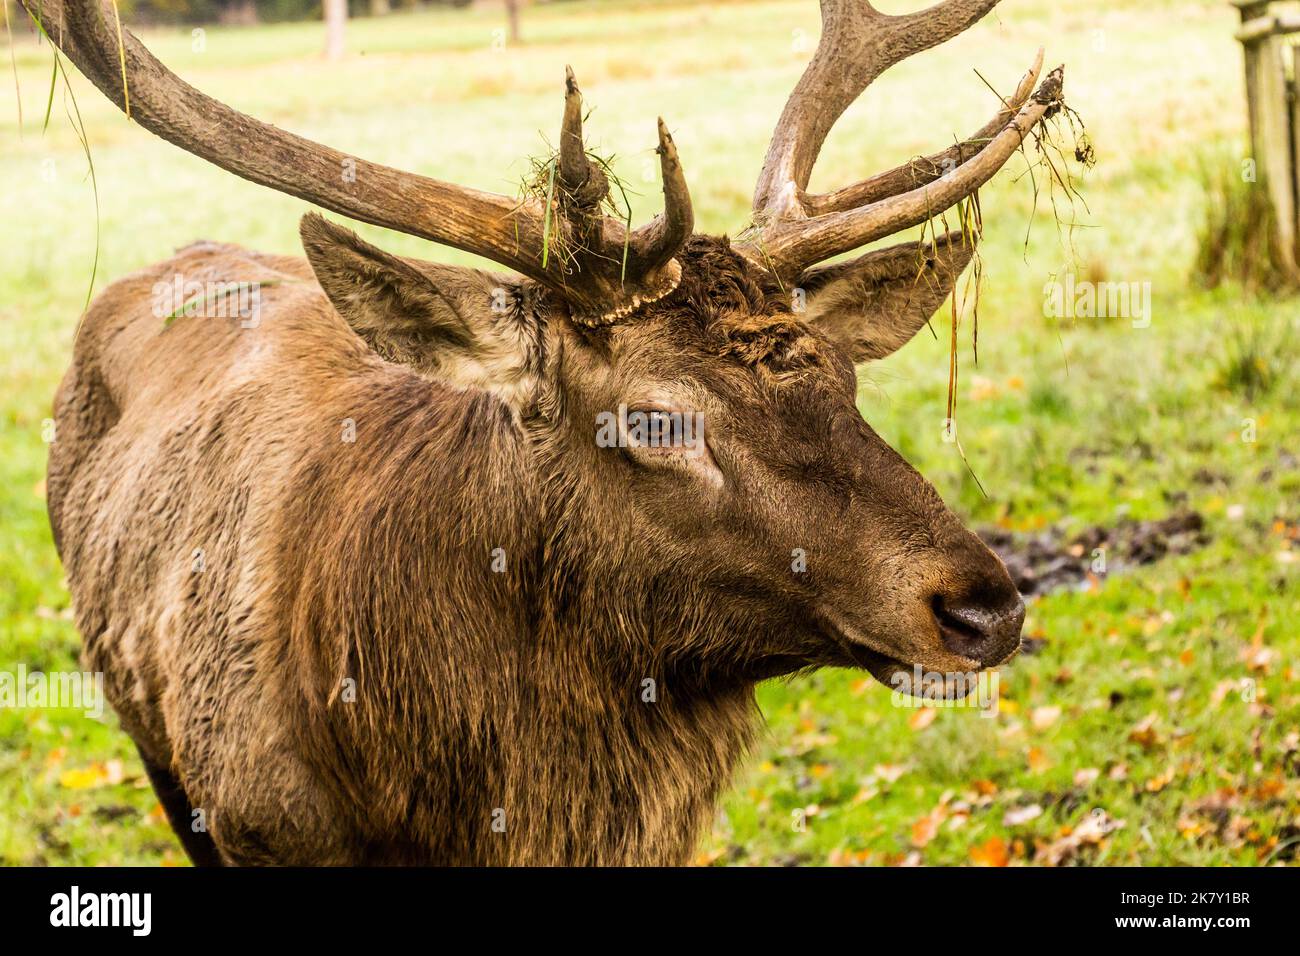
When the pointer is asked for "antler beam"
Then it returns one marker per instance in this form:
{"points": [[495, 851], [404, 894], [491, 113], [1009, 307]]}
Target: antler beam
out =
{"points": [[500, 228]]}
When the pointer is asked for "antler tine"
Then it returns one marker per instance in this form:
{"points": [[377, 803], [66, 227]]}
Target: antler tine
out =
{"points": [[925, 169], [585, 185], [573, 152], [792, 245], [857, 44], [658, 241], [794, 229], [624, 270]]}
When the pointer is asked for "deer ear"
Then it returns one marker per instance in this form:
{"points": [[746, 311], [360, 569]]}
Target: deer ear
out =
{"points": [[464, 327], [873, 305]]}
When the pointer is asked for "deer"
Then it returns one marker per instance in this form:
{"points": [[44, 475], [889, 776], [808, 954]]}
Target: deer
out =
{"points": [[364, 586]]}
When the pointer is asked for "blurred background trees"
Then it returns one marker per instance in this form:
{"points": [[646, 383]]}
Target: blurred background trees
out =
{"points": [[242, 12]]}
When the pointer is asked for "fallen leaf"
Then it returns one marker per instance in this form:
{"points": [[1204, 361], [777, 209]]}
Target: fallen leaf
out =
{"points": [[992, 852], [924, 829], [1017, 816], [1159, 782], [1144, 732], [1043, 717], [1038, 760], [1085, 776], [843, 857], [1091, 832], [923, 718], [888, 772]]}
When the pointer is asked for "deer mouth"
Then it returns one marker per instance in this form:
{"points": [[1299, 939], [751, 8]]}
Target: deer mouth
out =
{"points": [[893, 672], [880, 666]]}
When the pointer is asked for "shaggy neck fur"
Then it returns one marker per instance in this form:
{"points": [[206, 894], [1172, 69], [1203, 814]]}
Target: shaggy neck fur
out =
{"points": [[523, 711]]}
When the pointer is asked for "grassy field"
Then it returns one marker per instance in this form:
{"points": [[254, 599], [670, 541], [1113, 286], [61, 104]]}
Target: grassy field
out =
{"points": [[1158, 724]]}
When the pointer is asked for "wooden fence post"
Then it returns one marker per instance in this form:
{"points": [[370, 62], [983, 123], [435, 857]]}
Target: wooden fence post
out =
{"points": [[1295, 138], [1273, 131]]}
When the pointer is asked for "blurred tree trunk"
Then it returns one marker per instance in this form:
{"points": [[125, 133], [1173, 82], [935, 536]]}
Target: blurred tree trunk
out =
{"points": [[237, 13], [336, 18], [512, 18], [380, 8]]}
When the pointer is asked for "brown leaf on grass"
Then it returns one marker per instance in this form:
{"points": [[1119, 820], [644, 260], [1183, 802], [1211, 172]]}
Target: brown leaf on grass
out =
{"points": [[845, 857], [1270, 789], [923, 718], [1038, 760], [1237, 831], [1144, 732], [993, 852], [924, 829], [1091, 832], [806, 742], [1040, 718], [888, 772], [1257, 657], [863, 795], [1018, 816], [1192, 829], [1159, 781], [1222, 689]]}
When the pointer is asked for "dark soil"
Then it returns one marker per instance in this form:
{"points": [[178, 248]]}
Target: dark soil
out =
{"points": [[1048, 560]]}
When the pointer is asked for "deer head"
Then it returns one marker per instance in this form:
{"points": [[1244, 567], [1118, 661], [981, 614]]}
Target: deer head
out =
{"points": [[785, 515]]}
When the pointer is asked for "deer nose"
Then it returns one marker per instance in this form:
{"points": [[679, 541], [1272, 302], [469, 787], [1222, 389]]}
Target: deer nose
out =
{"points": [[987, 632]]}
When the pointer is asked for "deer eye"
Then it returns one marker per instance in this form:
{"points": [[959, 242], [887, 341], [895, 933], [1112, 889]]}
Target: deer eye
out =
{"points": [[661, 429], [664, 431]]}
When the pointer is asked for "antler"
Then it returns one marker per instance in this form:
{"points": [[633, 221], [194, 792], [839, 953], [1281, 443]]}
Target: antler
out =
{"points": [[606, 255], [794, 229], [606, 270]]}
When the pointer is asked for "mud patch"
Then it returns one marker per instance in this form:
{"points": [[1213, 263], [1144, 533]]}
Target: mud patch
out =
{"points": [[1049, 560]]}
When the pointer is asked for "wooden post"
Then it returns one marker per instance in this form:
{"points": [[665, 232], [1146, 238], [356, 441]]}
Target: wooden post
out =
{"points": [[1250, 10], [512, 20], [1271, 128], [1295, 139]]}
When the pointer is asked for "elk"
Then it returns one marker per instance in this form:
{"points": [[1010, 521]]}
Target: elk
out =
{"points": [[467, 632]]}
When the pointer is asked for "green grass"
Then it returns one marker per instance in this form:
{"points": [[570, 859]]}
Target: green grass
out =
{"points": [[1076, 422]]}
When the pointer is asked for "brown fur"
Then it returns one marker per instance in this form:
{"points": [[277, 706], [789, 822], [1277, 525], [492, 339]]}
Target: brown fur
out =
{"points": [[346, 679]]}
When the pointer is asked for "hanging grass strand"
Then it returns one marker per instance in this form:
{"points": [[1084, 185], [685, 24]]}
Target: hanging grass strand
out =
{"points": [[550, 212], [121, 56], [13, 62]]}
